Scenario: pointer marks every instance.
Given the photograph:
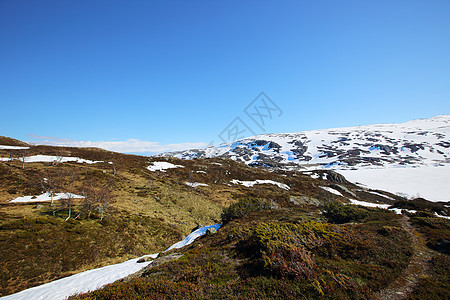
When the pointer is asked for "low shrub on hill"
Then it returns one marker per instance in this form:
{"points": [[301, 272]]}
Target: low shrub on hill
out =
{"points": [[243, 207], [338, 213], [285, 249], [436, 230]]}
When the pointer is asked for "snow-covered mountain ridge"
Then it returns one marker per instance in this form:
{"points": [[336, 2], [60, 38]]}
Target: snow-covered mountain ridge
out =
{"points": [[422, 142]]}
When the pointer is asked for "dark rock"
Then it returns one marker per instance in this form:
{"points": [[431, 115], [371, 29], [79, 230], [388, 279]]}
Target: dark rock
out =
{"points": [[414, 147], [211, 231], [386, 149], [444, 144], [335, 177], [156, 262], [443, 246], [145, 259], [258, 143]]}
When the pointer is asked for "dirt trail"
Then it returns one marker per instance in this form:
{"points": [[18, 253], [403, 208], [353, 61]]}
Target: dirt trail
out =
{"points": [[419, 265]]}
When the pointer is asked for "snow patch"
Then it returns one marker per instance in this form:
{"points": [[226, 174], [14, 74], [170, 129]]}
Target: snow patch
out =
{"points": [[398, 211], [440, 216], [260, 181], [191, 237], [381, 195], [44, 197], [369, 204], [195, 184], [50, 158], [162, 166], [331, 190], [5, 147]]}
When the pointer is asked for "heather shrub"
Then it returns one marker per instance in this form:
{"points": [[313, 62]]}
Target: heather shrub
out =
{"points": [[436, 230], [243, 207], [285, 249], [339, 213]]}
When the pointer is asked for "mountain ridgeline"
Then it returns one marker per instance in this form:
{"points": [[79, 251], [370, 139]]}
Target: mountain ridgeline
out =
{"points": [[423, 142]]}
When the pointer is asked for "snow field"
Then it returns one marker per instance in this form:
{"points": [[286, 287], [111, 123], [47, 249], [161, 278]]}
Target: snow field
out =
{"points": [[431, 183]]}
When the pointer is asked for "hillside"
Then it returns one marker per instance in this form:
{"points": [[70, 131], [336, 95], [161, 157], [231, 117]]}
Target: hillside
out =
{"points": [[291, 250], [144, 211], [136, 205]]}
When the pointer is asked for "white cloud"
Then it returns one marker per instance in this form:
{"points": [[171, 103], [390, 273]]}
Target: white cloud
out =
{"points": [[128, 146]]}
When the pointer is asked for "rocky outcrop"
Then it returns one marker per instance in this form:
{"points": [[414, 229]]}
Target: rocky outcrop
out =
{"points": [[335, 177]]}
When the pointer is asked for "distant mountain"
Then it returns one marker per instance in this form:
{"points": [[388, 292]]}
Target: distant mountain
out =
{"points": [[422, 142], [7, 141]]}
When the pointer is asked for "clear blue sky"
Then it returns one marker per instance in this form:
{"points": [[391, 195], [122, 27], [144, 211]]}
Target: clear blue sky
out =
{"points": [[171, 72]]}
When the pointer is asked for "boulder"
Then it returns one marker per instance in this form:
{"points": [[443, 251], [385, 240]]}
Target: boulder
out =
{"points": [[299, 200], [335, 177], [156, 262], [211, 231], [145, 259]]}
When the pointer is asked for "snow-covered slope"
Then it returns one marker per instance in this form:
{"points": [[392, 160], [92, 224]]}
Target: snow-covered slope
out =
{"points": [[423, 142]]}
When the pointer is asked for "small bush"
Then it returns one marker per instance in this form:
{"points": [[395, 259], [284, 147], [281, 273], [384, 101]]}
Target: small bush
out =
{"points": [[436, 230], [338, 213], [285, 249], [243, 207]]}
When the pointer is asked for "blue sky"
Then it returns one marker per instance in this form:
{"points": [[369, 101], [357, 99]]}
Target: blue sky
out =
{"points": [[165, 75]]}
